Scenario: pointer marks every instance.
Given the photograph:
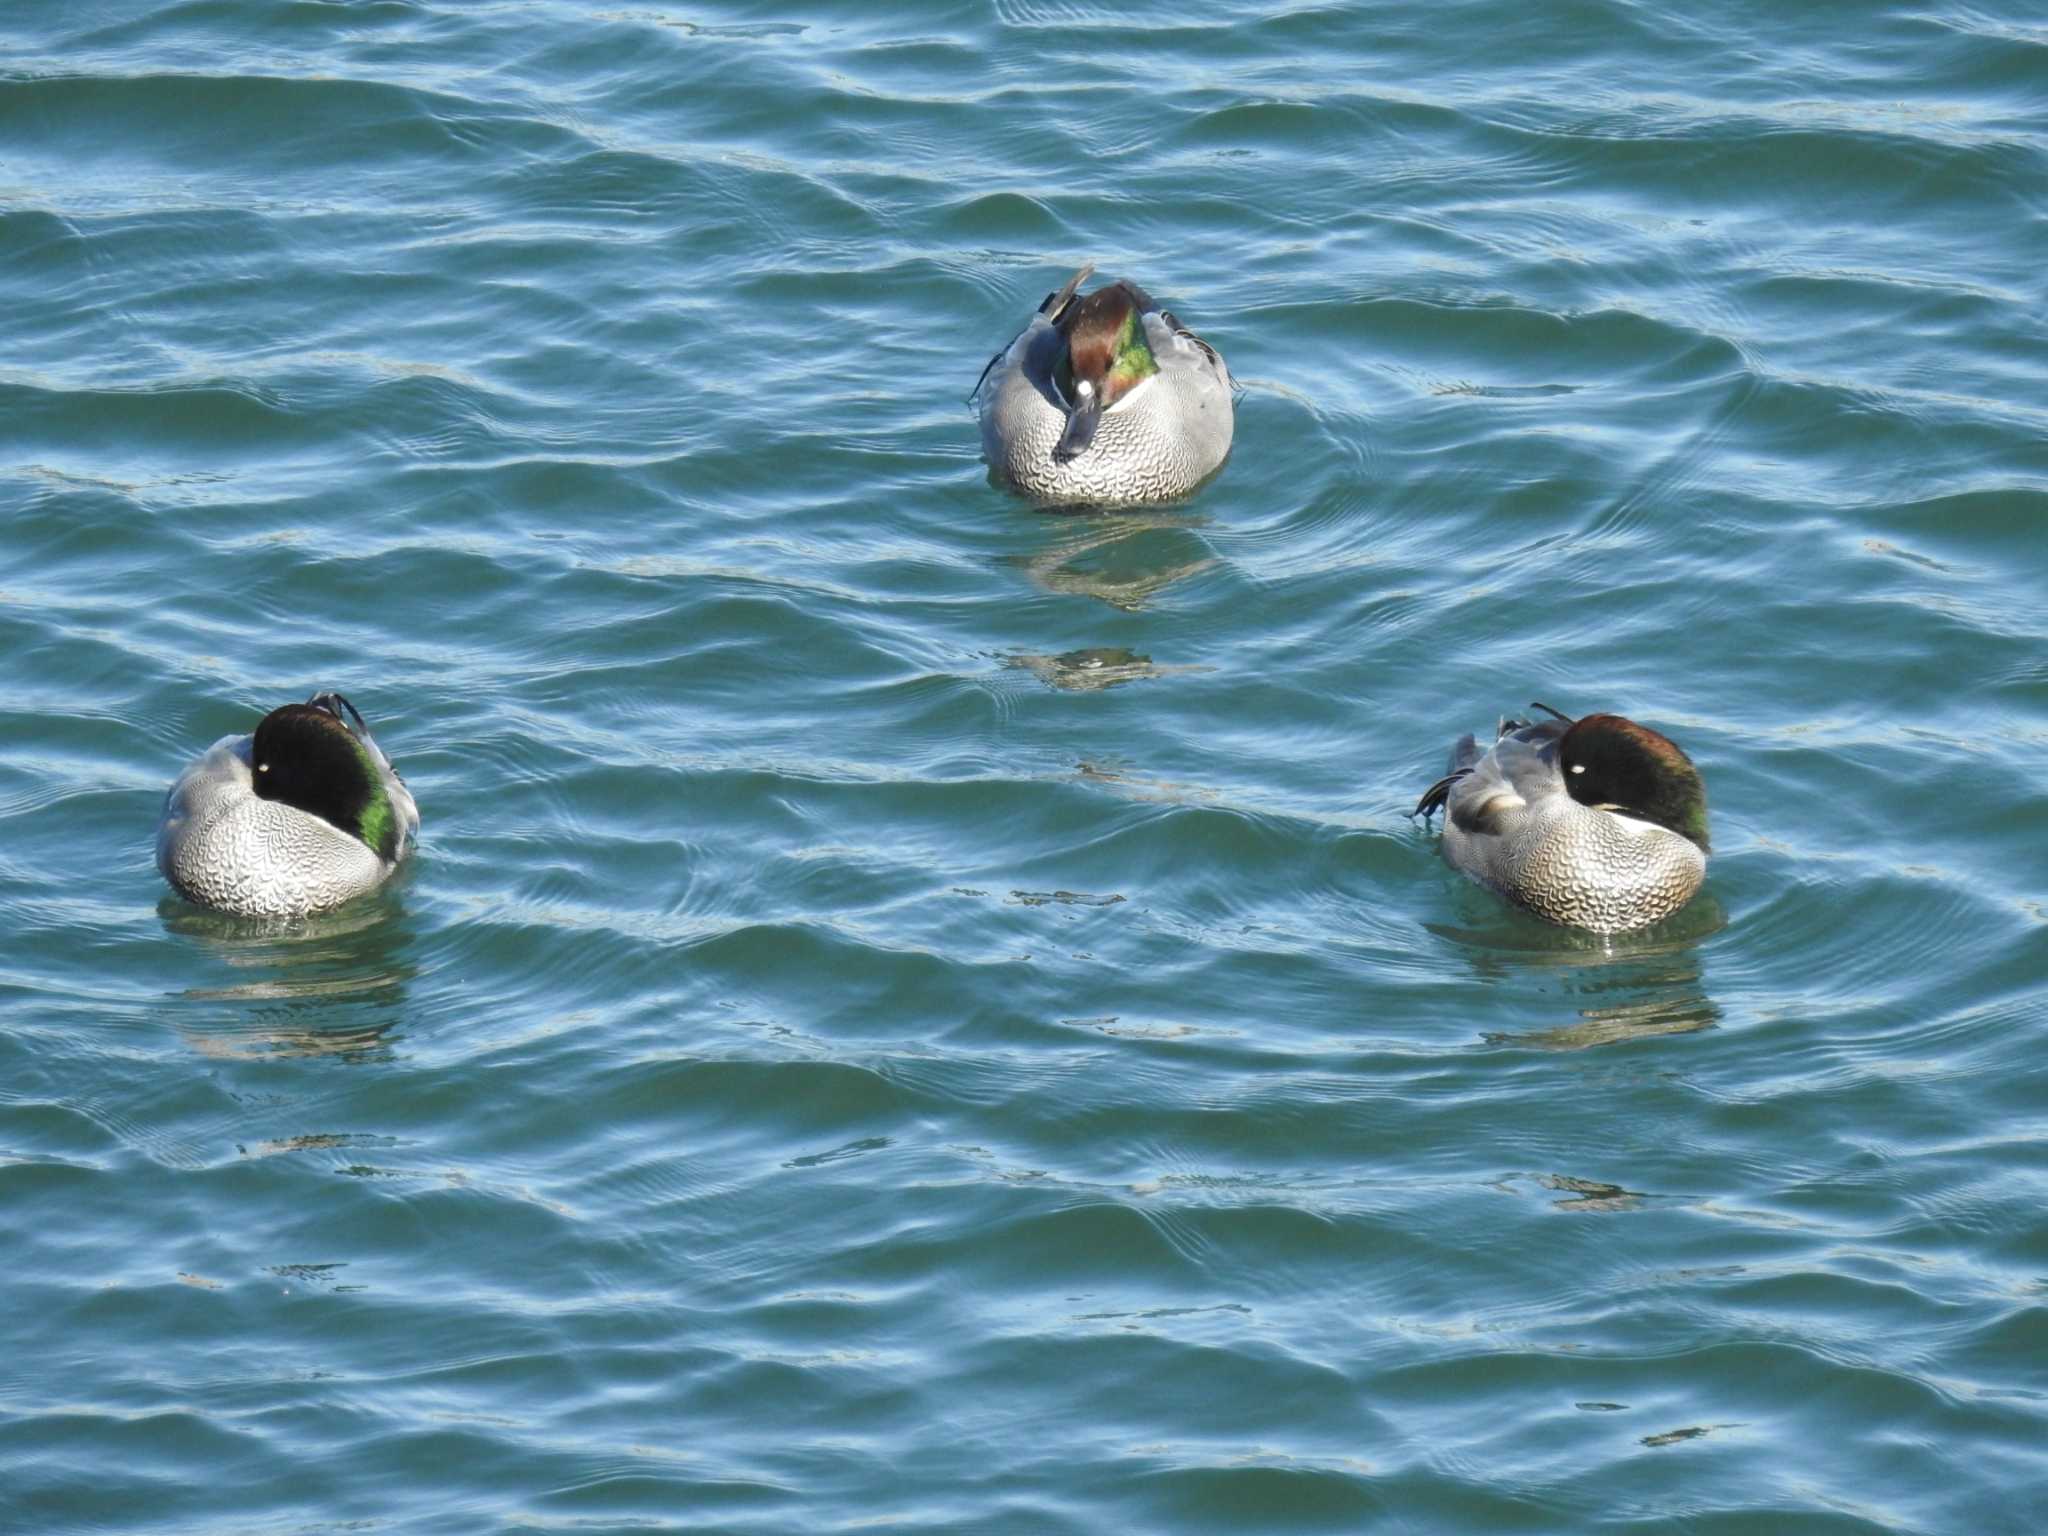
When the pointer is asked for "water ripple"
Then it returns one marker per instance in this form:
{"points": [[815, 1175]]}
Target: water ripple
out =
{"points": [[880, 956]]}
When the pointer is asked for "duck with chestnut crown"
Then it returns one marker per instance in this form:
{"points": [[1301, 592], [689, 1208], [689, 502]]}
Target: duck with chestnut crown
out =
{"points": [[1105, 399], [1598, 823], [302, 815]]}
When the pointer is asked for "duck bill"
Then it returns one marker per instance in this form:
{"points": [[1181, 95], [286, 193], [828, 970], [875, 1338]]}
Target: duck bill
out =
{"points": [[1082, 421]]}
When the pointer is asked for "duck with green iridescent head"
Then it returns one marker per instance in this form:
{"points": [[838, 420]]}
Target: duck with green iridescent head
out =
{"points": [[301, 815], [1596, 823], [1105, 399]]}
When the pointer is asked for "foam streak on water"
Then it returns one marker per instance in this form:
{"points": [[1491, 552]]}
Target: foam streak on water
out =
{"points": [[918, 1014]]}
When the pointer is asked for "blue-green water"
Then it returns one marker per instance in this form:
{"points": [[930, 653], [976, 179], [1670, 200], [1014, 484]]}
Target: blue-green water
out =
{"points": [[839, 1060]]}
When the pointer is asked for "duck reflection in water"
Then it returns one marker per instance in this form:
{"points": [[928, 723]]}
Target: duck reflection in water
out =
{"points": [[1121, 558], [1620, 987], [333, 984], [1093, 668]]}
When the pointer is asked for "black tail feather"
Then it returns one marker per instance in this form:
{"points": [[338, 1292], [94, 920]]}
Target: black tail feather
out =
{"points": [[1056, 302], [984, 376], [1558, 713], [1054, 305], [1434, 797], [338, 706]]}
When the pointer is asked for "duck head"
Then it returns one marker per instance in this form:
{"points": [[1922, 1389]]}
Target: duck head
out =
{"points": [[1106, 358], [1613, 764], [310, 757]]}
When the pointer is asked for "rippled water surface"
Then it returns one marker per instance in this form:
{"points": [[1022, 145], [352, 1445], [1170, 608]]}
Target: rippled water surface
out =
{"points": [[915, 1013]]}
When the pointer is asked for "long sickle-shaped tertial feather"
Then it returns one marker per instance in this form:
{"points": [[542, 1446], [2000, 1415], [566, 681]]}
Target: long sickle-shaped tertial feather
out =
{"points": [[1054, 306]]}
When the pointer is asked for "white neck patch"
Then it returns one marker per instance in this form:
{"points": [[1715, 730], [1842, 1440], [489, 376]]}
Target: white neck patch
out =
{"points": [[1134, 391], [1634, 826]]}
